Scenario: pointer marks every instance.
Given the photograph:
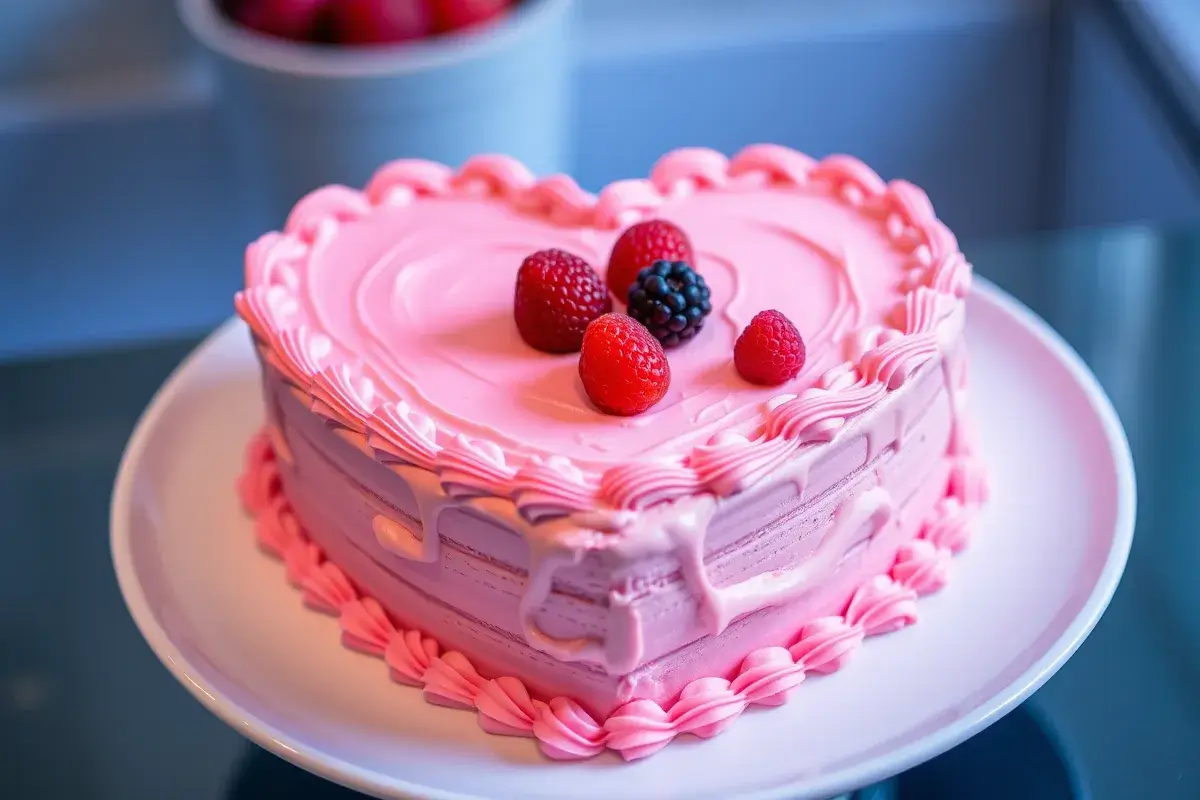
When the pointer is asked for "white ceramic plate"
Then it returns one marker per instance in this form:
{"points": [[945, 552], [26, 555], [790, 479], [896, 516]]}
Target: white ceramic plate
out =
{"points": [[1045, 560]]}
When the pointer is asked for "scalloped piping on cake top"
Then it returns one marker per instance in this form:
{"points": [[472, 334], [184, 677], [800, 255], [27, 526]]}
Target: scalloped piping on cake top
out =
{"points": [[562, 728], [935, 283]]}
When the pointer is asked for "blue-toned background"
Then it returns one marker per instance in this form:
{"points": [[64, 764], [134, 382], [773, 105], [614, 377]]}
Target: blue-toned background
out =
{"points": [[1015, 115]]}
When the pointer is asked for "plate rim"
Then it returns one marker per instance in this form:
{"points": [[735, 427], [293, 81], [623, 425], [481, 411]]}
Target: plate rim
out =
{"points": [[876, 768]]}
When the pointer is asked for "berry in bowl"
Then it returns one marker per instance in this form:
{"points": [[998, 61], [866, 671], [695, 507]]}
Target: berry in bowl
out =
{"points": [[361, 22]]}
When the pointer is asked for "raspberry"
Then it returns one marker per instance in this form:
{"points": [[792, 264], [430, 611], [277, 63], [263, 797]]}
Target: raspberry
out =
{"points": [[287, 19], [453, 15], [639, 247], [380, 21], [671, 300], [623, 368], [770, 350], [557, 295]]}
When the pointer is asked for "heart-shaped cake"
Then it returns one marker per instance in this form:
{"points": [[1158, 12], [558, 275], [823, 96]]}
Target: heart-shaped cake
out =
{"points": [[461, 501]]}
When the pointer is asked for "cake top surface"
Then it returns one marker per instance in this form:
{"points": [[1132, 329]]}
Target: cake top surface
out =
{"points": [[393, 309]]}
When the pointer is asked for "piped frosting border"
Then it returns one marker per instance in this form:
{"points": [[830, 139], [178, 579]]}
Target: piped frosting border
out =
{"points": [[333, 385], [563, 729]]}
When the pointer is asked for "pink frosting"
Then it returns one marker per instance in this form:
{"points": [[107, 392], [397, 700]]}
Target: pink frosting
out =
{"points": [[399, 432], [561, 727], [365, 291]]}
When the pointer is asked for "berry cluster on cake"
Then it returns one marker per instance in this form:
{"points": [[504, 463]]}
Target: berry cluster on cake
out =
{"points": [[609, 469]]}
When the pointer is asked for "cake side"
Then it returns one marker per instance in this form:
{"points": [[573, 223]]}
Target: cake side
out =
{"points": [[562, 728], [652, 621]]}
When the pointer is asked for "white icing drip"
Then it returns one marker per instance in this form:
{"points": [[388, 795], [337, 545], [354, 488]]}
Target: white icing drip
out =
{"points": [[401, 538], [722, 605], [545, 558], [958, 398], [879, 438]]}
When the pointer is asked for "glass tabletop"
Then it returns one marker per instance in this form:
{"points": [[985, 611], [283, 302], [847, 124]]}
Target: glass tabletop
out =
{"points": [[86, 710]]}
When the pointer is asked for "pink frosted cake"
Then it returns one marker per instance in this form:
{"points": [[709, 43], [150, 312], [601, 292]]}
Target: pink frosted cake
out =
{"points": [[612, 578]]}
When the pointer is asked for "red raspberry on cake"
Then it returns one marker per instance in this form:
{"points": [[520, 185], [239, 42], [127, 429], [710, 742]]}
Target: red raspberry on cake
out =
{"points": [[623, 367], [639, 247], [557, 295], [770, 350]]}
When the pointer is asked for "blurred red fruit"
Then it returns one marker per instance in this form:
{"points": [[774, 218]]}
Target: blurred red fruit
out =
{"points": [[287, 19], [453, 15], [380, 21]]}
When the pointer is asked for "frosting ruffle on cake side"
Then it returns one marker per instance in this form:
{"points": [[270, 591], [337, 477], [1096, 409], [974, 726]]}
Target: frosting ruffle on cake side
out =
{"points": [[562, 727]]}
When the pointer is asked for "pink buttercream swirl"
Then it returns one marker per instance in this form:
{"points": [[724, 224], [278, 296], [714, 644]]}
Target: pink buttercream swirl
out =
{"points": [[923, 309], [768, 676], [690, 167], [326, 588], [344, 395], [706, 707], [922, 566], [300, 557], [730, 462], [328, 204], [398, 432], [969, 481], [777, 163], [559, 199], [258, 483], [565, 732], [498, 175], [272, 258], [365, 626], [881, 606], [505, 707], [299, 354], [640, 485], [451, 680], [826, 644], [544, 488], [400, 182], [562, 728], [950, 526], [266, 309], [269, 301], [639, 729], [897, 358], [409, 655], [820, 412], [625, 202], [849, 178], [271, 529], [911, 202], [468, 468]]}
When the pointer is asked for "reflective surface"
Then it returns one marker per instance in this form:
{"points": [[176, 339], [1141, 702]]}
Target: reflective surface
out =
{"points": [[86, 710]]}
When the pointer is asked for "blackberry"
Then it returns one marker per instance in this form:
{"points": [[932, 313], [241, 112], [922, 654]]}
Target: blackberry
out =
{"points": [[671, 299]]}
